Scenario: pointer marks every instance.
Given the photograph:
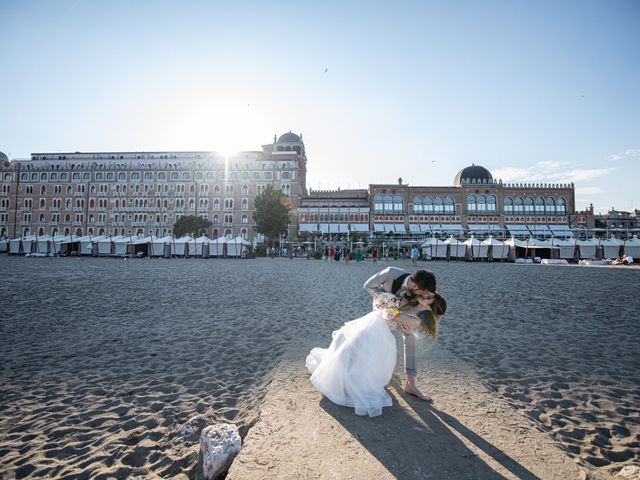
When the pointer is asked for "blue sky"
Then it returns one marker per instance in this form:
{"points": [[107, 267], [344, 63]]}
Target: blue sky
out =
{"points": [[538, 91]]}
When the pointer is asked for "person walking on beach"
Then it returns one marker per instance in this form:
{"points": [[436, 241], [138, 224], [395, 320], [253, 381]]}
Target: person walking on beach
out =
{"points": [[420, 284], [415, 254], [374, 254], [359, 363]]}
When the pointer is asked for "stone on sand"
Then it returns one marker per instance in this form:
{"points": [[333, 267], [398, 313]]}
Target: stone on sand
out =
{"points": [[219, 445]]}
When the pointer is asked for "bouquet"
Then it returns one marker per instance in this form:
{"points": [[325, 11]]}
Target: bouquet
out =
{"points": [[388, 303]]}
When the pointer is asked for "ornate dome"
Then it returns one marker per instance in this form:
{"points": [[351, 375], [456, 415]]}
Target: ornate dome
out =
{"points": [[473, 174], [3, 157], [289, 138]]}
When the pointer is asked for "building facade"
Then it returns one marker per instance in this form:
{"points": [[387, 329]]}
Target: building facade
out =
{"points": [[129, 193], [475, 203]]}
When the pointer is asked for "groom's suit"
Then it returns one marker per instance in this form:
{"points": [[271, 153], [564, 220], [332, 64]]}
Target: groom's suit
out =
{"points": [[392, 280]]}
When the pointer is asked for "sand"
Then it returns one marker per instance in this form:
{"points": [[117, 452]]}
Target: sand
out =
{"points": [[103, 360]]}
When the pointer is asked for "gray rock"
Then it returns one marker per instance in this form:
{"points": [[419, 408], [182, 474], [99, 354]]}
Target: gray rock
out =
{"points": [[190, 431], [219, 445], [631, 472]]}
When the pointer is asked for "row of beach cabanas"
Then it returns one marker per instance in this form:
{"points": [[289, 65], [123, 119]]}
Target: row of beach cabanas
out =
{"points": [[510, 249], [126, 245]]}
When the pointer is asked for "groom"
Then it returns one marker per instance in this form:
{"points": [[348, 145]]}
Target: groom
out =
{"points": [[400, 282]]}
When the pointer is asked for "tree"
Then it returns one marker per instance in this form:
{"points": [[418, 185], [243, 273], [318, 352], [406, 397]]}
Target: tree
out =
{"points": [[190, 224], [271, 215]]}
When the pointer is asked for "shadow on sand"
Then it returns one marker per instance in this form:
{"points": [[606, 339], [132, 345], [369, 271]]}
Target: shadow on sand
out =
{"points": [[414, 440]]}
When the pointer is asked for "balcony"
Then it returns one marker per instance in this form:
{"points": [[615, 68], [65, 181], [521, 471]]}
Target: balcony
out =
{"points": [[76, 224], [54, 209], [53, 224]]}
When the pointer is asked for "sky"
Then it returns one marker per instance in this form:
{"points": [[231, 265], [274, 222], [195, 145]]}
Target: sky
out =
{"points": [[540, 91]]}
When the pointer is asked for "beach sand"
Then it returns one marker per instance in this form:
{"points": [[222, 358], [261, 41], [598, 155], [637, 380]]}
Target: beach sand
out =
{"points": [[104, 360]]}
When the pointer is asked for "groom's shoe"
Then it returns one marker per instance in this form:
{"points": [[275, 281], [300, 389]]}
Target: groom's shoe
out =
{"points": [[415, 391]]}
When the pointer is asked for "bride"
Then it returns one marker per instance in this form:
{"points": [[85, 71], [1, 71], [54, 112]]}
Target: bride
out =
{"points": [[358, 364]]}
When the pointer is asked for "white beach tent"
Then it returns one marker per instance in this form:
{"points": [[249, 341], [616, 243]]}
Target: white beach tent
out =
{"points": [[217, 247], [567, 247], [44, 244], [195, 246], [434, 248], [457, 249], [4, 245], [104, 246], [476, 249], [632, 248], [15, 246], [29, 244], [59, 240], [499, 251], [611, 247], [235, 246], [513, 243], [86, 243], [588, 247], [121, 243], [179, 246], [156, 246]]}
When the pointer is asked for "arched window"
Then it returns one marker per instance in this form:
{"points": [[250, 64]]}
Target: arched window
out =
{"points": [[561, 206], [508, 205], [245, 219], [43, 190], [245, 190], [528, 205], [68, 204], [550, 206], [471, 203], [42, 203], [417, 204], [518, 205], [192, 204], [438, 205], [398, 203], [216, 204], [481, 203], [388, 203], [491, 203], [377, 203], [69, 190], [449, 205], [539, 205], [427, 205], [245, 204]]}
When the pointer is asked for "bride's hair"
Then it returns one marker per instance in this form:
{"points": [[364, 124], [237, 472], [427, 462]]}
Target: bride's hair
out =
{"points": [[429, 324]]}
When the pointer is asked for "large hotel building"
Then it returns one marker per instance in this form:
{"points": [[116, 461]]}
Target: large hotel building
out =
{"points": [[130, 193]]}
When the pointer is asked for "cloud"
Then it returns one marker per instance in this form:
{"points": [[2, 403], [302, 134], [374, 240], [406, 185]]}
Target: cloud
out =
{"points": [[626, 154], [550, 172]]}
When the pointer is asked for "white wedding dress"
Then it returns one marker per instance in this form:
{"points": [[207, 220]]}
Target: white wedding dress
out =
{"points": [[357, 366]]}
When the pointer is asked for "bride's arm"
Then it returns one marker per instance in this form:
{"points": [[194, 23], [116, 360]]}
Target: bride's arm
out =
{"points": [[408, 321]]}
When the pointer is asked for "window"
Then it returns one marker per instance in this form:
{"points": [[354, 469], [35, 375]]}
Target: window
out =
{"points": [[491, 203], [471, 203], [561, 206], [518, 205], [245, 204], [481, 203], [76, 177], [449, 205], [438, 205], [388, 203], [99, 176], [398, 203], [428, 205], [135, 176], [199, 176], [86, 176], [43, 177], [417, 204], [54, 176], [550, 206], [186, 176], [286, 175], [508, 205], [377, 203], [64, 176], [268, 175], [122, 176], [175, 176], [245, 190], [162, 176], [210, 176], [539, 205], [245, 219], [110, 176]]}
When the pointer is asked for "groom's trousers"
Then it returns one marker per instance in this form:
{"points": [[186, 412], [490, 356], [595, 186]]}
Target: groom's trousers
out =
{"points": [[410, 365]]}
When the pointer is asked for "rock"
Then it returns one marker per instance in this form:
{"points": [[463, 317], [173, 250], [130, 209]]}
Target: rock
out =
{"points": [[219, 445], [630, 472], [190, 431]]}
